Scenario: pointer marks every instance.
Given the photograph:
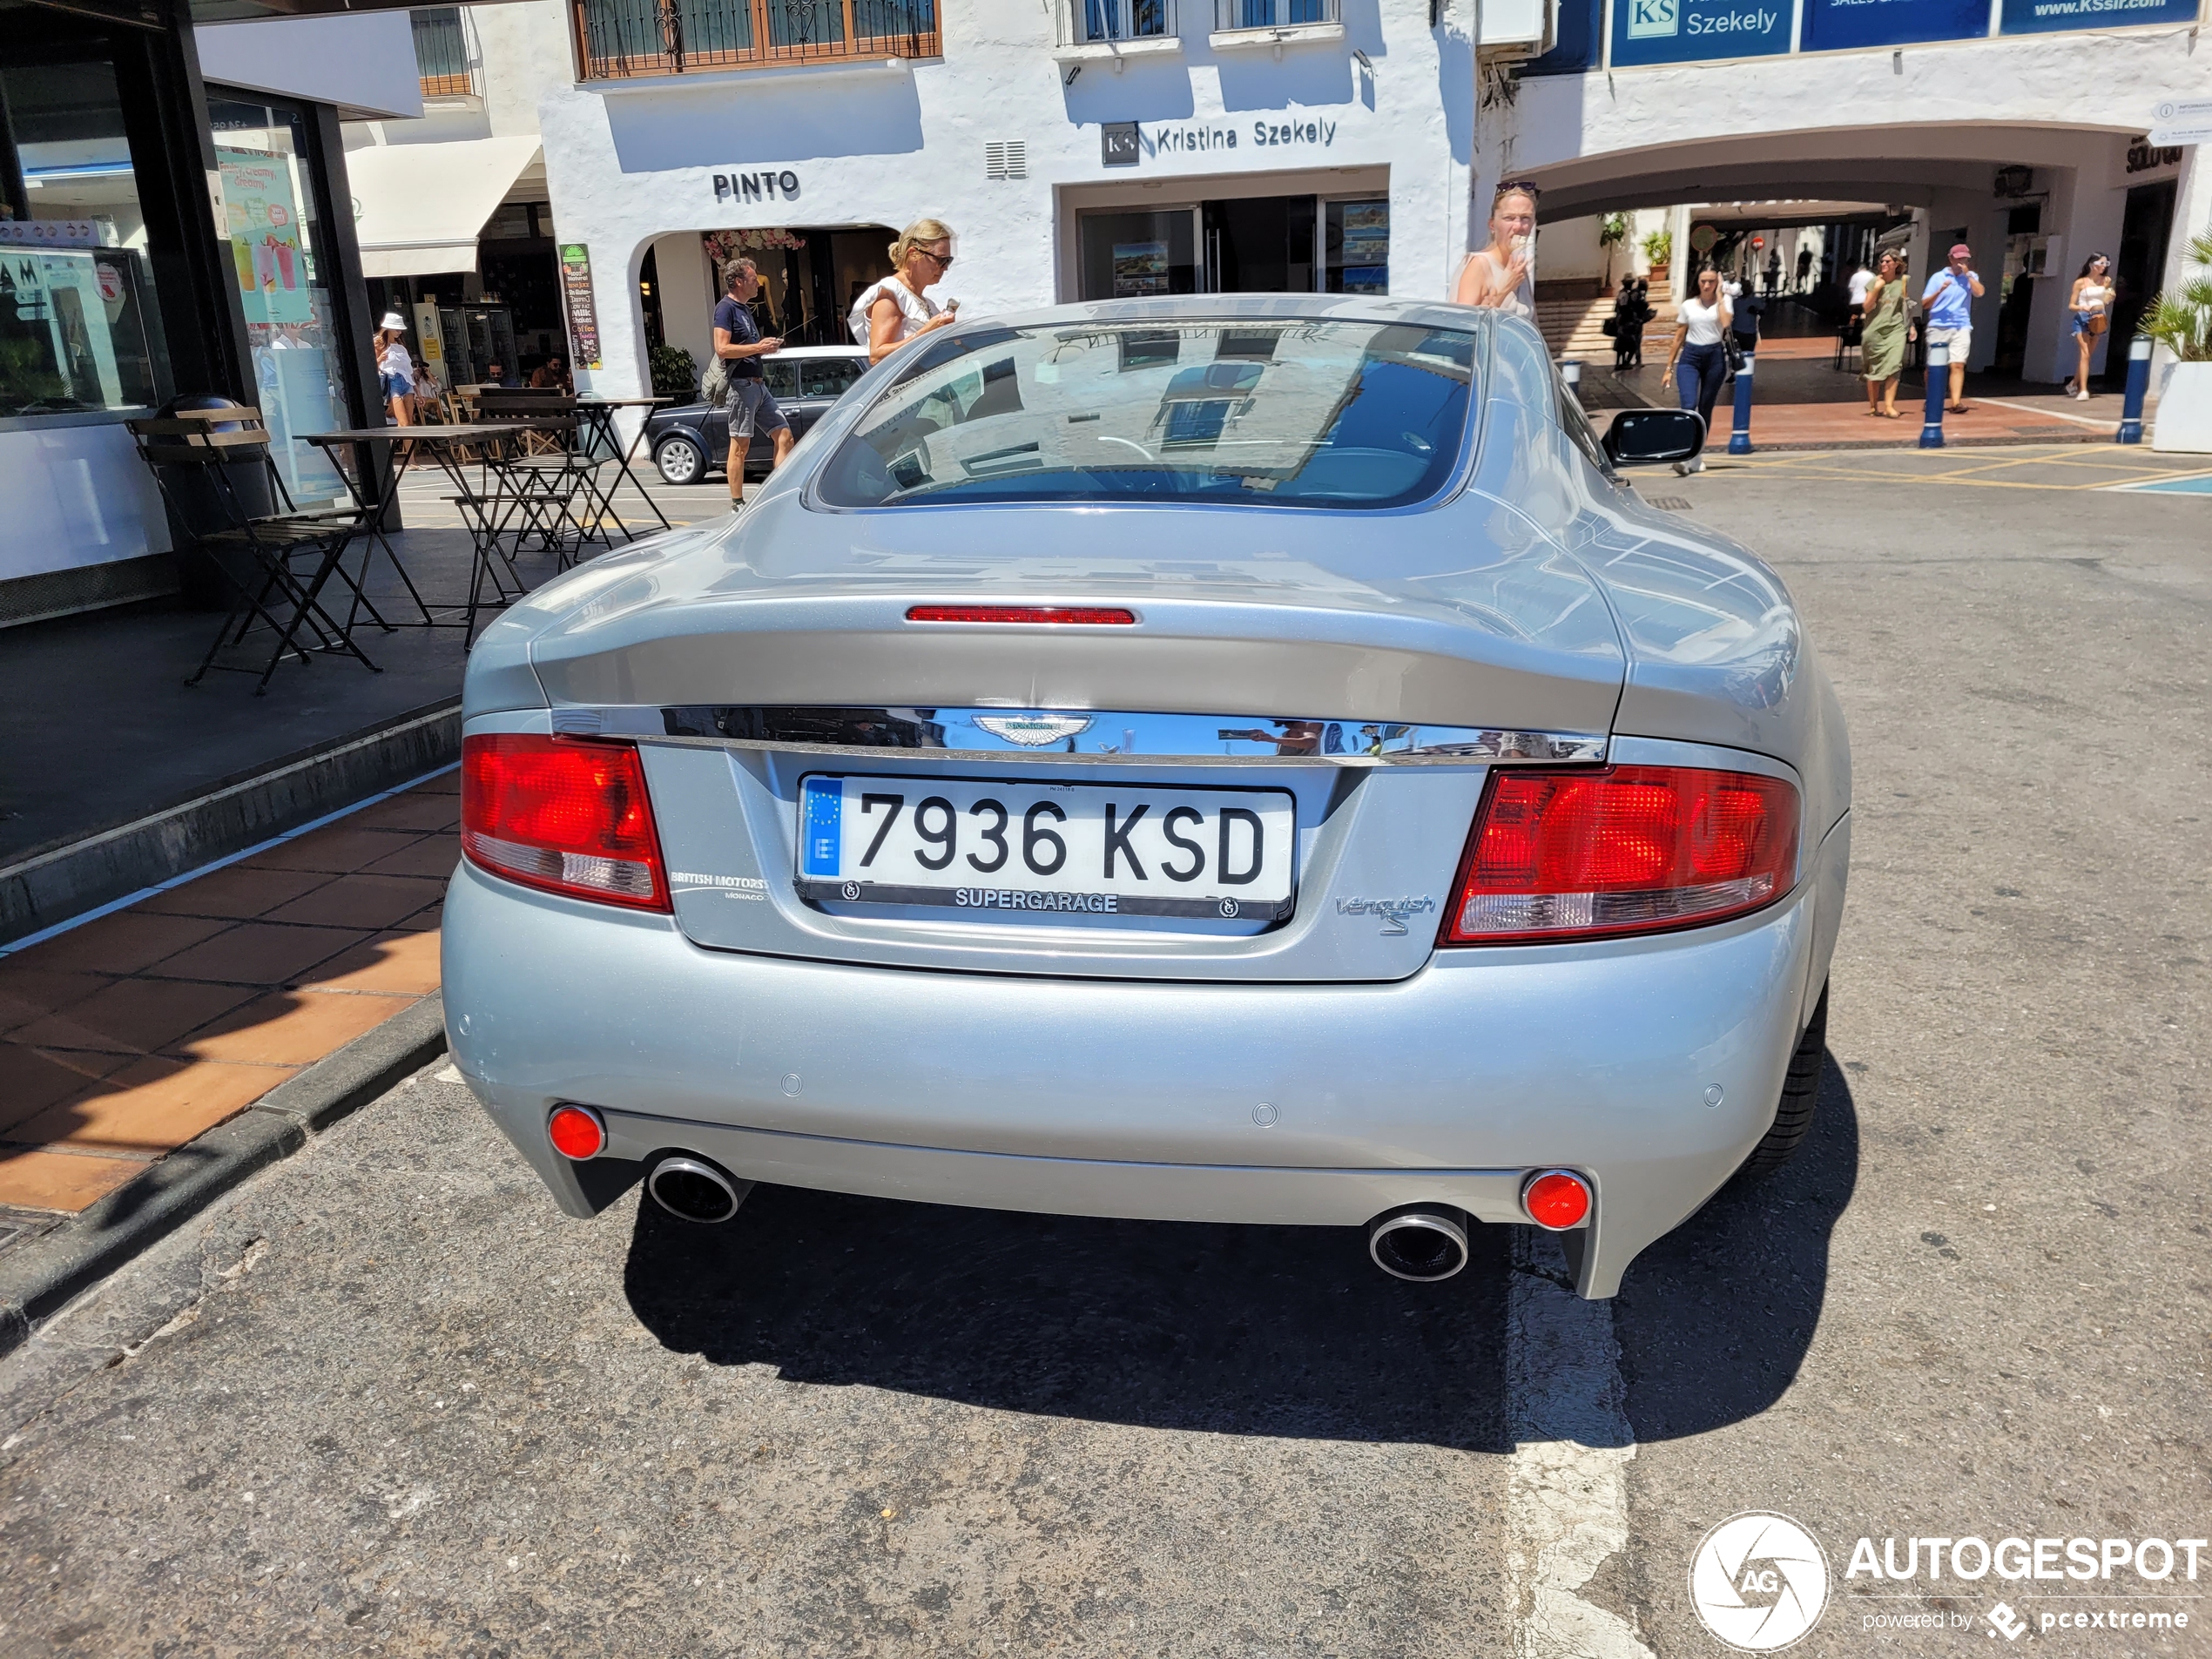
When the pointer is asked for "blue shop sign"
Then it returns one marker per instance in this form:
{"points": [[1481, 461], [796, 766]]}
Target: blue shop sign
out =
{"points": [[1838, 25], [1682, 32], [2039, 16]]}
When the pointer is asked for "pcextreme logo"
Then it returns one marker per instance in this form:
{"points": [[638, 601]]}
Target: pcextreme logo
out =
{"points": [[1759, 1581]]}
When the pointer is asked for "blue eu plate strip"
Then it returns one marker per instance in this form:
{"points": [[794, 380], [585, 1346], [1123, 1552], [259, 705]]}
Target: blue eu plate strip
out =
{"points": [[821, 818]]}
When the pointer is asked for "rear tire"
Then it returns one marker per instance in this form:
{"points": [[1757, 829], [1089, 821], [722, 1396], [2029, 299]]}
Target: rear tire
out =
{"points": [[680, 461], [1800, 1094]]}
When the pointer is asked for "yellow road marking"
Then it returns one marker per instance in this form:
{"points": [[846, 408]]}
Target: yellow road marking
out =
{"points": [[2135, 467]]}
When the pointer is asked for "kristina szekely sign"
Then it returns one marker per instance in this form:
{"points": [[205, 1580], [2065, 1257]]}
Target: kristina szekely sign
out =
{"points": [[1124, 143]]}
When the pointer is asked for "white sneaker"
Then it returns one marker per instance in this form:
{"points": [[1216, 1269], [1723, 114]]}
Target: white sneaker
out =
{"points": [[2069, 388], [2081, 397]]}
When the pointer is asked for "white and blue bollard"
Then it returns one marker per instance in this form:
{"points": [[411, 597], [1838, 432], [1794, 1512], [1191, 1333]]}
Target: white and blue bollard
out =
{"points": [[1739, 436], [2131, 411], [1938, 389]]}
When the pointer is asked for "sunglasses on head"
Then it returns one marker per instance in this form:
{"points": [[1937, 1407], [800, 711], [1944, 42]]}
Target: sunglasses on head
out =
{"points": [[1520, 186]]}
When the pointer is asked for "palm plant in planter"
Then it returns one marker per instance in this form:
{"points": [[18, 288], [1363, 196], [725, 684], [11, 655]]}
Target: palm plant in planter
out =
{"points": [[2181, 319], [1612, 231], [1659, 249]]}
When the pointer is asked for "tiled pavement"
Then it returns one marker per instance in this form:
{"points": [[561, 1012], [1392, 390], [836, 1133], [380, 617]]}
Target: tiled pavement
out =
{"points": [[1803, 403], [125, 1038]]}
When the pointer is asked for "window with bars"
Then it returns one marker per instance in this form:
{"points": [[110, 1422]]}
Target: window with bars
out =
{"points": [[441, 52], [1104, 20], [622, 37], [1273, 14]]}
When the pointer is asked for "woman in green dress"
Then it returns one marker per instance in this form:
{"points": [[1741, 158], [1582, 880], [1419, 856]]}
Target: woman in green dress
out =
{"points": [[1887, 332]]}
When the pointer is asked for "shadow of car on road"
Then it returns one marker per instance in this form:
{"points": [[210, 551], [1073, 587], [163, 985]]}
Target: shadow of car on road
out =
{"points": [[1716, 1318], [1238, 1330]]}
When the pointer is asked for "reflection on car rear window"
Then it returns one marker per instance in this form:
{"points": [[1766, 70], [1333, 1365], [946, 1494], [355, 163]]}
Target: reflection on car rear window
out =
{"points": [[1324, 413]]}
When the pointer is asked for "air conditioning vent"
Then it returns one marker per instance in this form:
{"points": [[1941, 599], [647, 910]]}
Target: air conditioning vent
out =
{"points": [[1009, 159]]}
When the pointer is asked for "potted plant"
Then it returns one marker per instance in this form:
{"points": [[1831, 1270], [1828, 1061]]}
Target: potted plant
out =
{"points": [[1612, 231], [675, 372], [1659, 249], [2181, 319]]}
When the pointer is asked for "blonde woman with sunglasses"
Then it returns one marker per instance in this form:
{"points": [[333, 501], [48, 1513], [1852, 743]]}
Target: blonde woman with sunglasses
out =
{"points": [[1500, 277], [899, 309]]}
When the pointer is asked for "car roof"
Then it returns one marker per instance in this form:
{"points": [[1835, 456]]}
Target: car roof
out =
{"points": [[822, 351]]}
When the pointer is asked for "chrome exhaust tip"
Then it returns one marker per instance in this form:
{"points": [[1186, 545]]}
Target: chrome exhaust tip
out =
{"points": [[1420, 1243], [688, 1186]]}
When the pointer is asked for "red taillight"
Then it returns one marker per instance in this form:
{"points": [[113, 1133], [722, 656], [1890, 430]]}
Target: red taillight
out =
{"points": [[1573, 855], [576, 1132], [1557, 1199], [1086, 615], [567, 814]]}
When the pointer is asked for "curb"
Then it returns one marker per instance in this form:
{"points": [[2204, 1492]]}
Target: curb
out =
{"points": [[42, 1276], [57, 883]]}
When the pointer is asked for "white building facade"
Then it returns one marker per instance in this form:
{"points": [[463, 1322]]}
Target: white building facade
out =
{"points": [[2021, 134], [1089, 148], [1248, 144]]}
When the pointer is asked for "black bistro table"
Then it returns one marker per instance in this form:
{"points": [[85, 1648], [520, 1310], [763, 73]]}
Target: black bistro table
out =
{"points": [[598, 415], [487, 503]]}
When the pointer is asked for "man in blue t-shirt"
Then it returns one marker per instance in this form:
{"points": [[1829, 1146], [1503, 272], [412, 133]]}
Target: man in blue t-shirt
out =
{"points": [[1949, 302], [738, 344]]}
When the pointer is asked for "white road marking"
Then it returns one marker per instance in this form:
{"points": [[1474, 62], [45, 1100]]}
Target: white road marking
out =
{"points": [[1567, 1498]]}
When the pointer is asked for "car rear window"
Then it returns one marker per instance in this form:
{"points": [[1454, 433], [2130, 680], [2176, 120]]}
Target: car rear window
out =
{"points": [[1324, 413], [829, 376]]}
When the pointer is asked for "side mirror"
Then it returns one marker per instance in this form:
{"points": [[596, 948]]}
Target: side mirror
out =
{"points": [[1653, 437]]}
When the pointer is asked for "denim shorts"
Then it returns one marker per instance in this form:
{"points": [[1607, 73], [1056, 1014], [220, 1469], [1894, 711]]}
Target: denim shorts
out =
{"points": [[395, 386], [752, 409]]}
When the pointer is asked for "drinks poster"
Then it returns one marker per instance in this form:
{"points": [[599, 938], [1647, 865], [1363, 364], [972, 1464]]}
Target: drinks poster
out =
{"points": [[264, 236]]}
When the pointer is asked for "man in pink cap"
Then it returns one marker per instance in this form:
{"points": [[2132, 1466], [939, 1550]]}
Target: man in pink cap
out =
{"points": [[1949, 304]]}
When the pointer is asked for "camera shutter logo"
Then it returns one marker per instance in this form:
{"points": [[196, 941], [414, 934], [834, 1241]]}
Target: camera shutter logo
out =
{"points": [[1653, 17], [1759, 1581]]}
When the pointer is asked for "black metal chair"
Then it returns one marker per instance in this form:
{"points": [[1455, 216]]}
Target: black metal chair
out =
{"points": [[260, 554], [549, 486]]}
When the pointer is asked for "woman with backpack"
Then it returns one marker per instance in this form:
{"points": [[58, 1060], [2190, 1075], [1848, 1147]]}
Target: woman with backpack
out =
{"points": [[1631, 311], [890, 313]]}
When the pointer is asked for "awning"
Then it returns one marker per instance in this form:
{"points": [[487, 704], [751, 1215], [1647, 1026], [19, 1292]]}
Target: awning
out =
{"points": [[418, 208]]}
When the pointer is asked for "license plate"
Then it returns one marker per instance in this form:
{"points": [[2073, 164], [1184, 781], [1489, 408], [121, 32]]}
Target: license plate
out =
{"points": [[1048, 850]]}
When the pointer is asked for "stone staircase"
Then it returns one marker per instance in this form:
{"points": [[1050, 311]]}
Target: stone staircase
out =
{"points": [[1574, 327]]}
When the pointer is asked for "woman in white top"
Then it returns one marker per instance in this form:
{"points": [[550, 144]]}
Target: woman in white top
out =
{"points": [[1500, 276], [396, 368], [898, 309], [1698, 353], [2090, 310]]}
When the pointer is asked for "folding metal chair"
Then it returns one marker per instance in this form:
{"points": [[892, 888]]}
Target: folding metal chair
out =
{"points": [[548, 485], [256, 552]]}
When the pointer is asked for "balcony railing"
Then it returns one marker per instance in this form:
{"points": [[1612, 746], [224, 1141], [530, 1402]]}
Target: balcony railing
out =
{"points": [[1093, 21], [442, 53], [624, 38], [1272, 14]]}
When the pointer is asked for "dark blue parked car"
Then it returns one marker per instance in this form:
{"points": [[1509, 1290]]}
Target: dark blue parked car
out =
{"points": [[692, 444]]}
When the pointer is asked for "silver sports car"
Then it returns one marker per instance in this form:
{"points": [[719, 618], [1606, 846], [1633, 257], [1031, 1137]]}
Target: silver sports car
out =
{"points": [[1214, 759]]}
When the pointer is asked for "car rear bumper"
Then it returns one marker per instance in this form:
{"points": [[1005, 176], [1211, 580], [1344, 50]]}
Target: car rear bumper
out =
{"points": [[1652, 1065]]}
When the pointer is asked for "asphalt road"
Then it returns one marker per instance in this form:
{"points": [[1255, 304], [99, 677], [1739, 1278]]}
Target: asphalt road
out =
{"points": [[386, 1399]]}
